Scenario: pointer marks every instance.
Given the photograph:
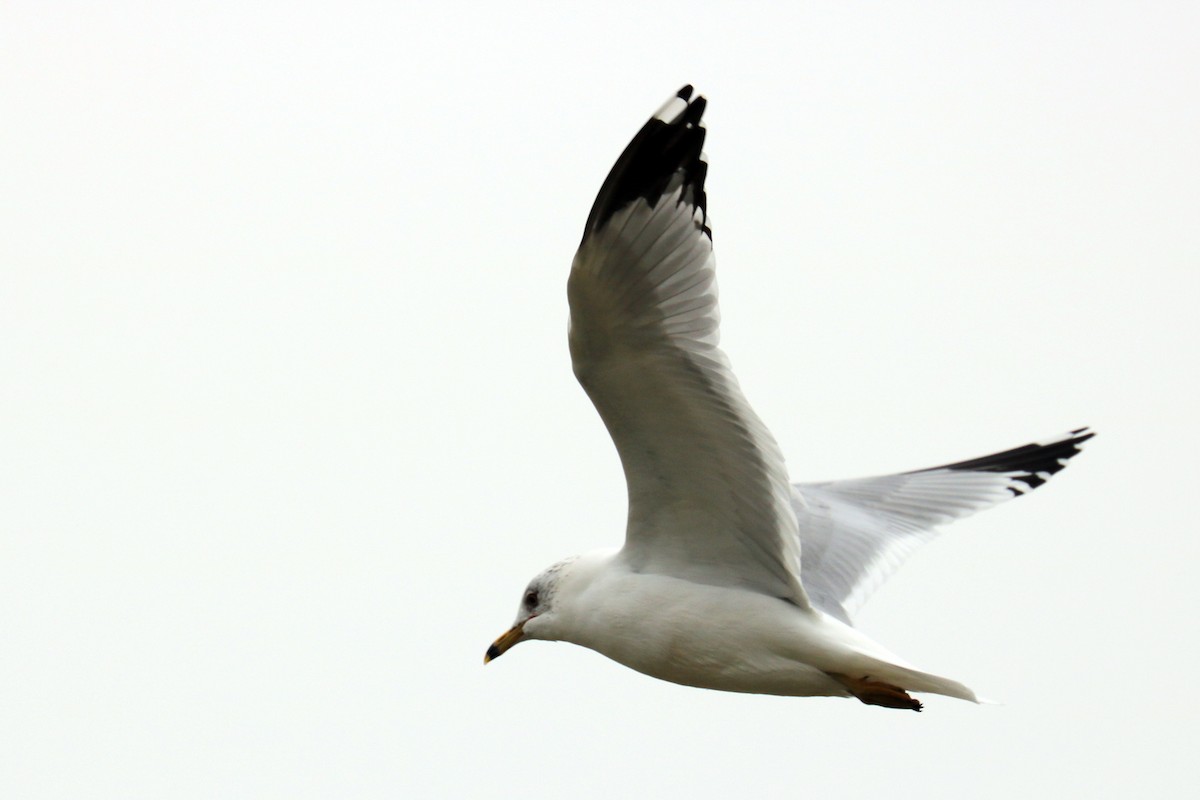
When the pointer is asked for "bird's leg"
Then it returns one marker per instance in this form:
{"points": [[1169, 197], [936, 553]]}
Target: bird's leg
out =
{"points": [[877, 693]]}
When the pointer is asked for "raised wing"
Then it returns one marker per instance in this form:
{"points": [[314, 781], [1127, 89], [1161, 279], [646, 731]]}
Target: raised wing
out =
{"points": [[709, 499], [856, 533]]}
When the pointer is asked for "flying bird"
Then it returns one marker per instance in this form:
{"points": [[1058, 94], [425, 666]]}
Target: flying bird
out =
{"points": [[731, 577]]}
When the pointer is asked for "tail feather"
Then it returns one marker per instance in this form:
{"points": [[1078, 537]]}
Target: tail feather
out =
{"points": [[912, 680], [916, 681]]}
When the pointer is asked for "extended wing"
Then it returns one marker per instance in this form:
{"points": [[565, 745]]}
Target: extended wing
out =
{"points": [[708, 493], [856, 533]]}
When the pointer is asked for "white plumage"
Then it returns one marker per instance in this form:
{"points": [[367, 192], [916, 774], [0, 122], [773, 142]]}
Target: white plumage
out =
{"points": [[730, 577]]}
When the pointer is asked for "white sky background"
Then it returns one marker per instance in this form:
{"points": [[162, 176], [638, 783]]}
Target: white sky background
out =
{"points": [[288, 419]]}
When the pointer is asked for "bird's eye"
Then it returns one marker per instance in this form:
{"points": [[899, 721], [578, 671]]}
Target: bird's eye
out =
{"points": [[531, 599]]}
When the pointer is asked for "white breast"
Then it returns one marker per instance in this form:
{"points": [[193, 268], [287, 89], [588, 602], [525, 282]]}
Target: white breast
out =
{"points": [[708, 636]]}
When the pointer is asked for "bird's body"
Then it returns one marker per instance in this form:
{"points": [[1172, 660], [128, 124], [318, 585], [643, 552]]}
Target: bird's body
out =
{"points": [[716, 637], [731, 578], [688, 633]]}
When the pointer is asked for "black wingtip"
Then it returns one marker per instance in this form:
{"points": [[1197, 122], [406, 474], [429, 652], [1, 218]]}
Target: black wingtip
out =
{"points": [[670, 142], [1032, 464]]}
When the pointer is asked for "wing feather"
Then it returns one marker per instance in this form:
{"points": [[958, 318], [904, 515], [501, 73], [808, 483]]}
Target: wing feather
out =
{"points": [[708, 493], [857, 533]]}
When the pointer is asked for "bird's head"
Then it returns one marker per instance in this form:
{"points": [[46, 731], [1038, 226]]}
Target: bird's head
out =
{"points": [[538, 613]]}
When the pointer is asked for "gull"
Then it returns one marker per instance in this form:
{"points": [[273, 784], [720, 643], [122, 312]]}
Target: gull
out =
{"points": [[730, 578]]}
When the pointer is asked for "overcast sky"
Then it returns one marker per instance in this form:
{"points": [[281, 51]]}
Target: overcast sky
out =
{"points": [[288, 419]]}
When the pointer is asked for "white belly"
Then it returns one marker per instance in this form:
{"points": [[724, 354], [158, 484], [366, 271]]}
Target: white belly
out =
{"points": [[714, 637]]}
